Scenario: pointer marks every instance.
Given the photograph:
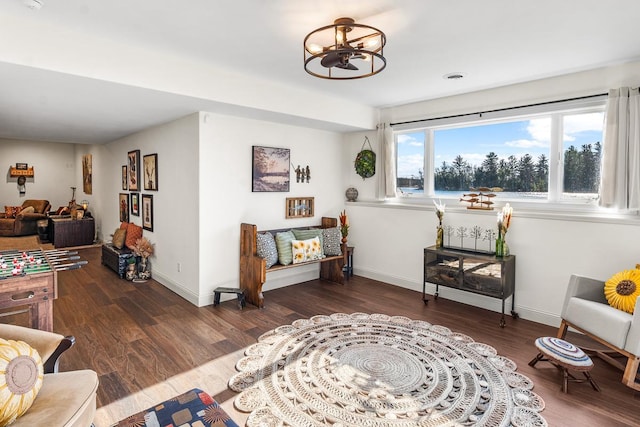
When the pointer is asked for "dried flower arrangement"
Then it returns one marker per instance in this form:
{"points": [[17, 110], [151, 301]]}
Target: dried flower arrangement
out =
{"points": [[344, 224], [143, 247]]}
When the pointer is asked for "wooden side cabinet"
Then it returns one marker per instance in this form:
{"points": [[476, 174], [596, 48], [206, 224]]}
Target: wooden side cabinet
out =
{"points": [[66, 232], [470, 271]]}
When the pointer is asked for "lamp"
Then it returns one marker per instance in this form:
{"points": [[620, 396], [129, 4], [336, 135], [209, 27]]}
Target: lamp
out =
{"points": [[85, 204], [344, 51]]}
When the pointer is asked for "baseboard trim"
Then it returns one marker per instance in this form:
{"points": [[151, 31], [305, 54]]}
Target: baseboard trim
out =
{"points": [[181, 290], [469, 298]]}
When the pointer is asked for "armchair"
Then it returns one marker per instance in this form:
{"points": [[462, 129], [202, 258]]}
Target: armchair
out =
{"points": [[24, 224], [586, 309], [66, 399]]}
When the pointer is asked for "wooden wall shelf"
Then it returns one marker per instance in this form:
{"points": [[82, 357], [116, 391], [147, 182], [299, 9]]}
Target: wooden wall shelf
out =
{"points": [[299, 207], [14, 172]]}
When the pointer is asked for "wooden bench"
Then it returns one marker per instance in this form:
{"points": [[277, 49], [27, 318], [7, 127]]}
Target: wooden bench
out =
{"points": [[253, 269]]}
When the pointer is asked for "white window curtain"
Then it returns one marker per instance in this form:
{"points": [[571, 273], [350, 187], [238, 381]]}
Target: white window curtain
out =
{"points": [[620, 171], [385, 134]]}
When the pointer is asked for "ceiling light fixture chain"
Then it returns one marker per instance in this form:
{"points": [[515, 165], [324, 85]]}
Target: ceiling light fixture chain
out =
{"points": [[344, 51]]}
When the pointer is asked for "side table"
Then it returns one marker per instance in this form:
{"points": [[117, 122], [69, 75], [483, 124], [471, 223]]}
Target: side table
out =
{"points": [[348, 267], [65, 232]]}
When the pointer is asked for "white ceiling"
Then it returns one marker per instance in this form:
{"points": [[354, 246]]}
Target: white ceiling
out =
{"points": [[493, 42]]}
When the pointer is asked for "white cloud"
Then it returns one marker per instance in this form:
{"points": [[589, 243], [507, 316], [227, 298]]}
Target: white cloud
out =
{"points": [[409, 165], [581, 123], [540, 130], [408, 140], [527, 143]]}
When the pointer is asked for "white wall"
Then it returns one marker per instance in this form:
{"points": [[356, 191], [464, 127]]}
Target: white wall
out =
{"points": [[205, 193], [54, 168], [389, 239], [226, 198], [175, 204]]}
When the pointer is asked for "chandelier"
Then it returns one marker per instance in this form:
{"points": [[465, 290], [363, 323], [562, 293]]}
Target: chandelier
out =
{"points": [[344, 51]]}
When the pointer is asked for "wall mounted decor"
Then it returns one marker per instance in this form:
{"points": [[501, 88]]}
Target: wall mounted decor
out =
{"points": [[147, 212], [150, 170], [365, 162], [125, 178], [135, 204], [123, 205], [303, 174], [87, 177], [270, 169], [299, 207], [134, 170], [23, 170]]}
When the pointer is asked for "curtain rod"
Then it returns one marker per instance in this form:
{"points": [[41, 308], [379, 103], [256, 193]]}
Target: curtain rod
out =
{"points": [[480, 113]]}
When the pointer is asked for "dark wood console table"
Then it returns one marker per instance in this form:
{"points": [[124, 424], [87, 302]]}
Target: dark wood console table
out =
{"points": [[469, 271], [65, 232]]}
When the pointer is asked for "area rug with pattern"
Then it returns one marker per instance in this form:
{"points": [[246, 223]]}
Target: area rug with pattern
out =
{"points": [[194, 408], [376, 370]]}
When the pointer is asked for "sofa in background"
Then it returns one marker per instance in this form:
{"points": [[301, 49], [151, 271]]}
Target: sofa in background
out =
{"points": [[24, 223]]}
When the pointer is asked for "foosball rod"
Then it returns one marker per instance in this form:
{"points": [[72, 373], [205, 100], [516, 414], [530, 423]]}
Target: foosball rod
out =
{"points": [[59, 260], [72, 266]]}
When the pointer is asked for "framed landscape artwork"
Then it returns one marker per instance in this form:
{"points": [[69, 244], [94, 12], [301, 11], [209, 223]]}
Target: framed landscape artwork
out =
{"points": [[147, 212], [123, 205], [270, 169], [150, 171], [134, 170], [125, 178], [135, 204]]}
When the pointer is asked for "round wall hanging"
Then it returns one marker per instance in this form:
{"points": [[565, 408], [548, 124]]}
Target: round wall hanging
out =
{"points": [[365, 163], [22, 180]]}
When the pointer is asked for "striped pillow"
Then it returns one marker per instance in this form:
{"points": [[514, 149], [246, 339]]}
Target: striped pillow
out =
{"points": [[283, 243]]}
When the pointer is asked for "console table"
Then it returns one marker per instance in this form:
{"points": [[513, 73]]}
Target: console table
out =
{"points": [[65, 232], [469, 271]]}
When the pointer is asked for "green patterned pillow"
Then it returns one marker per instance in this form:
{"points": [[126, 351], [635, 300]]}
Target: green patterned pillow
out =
{"points": [[309, 234], [283, 243]]}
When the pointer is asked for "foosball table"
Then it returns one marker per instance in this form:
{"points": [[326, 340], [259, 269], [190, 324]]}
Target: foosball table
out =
{"points": [[30, 278]]}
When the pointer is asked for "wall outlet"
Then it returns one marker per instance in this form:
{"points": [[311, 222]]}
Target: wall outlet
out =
{"points": [[179, 267]]}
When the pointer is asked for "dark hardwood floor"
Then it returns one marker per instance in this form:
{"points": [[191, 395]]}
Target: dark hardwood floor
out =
{"points": [[148, 344]]}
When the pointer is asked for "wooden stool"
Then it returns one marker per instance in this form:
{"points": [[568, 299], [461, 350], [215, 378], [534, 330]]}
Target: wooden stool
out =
{"points": [[564, 356], [222, 290]]}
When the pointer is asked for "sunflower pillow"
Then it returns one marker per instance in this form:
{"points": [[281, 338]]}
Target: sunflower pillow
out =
{"points": [[622, 289]]}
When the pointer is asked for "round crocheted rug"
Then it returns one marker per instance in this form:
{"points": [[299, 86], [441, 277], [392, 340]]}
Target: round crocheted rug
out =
{"points": [[376, 370]]}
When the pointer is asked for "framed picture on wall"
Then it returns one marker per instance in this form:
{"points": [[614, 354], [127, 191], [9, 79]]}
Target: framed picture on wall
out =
{"points": [[270, 169], [135, 204], [124, 207], [147, 212], [134, 170], [125, 178], [150, 171]]}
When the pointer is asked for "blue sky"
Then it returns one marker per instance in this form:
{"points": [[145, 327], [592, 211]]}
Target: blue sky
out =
{"points": [[473, 143]]}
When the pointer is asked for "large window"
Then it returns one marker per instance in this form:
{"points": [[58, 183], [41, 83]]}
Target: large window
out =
{"points": [[552, 156]]}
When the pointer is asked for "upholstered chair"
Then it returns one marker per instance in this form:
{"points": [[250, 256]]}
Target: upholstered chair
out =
{"points": [[66, 399], [586, 309]]}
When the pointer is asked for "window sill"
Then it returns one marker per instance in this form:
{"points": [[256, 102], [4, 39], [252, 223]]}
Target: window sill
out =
{"points": [[539, 210]]}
